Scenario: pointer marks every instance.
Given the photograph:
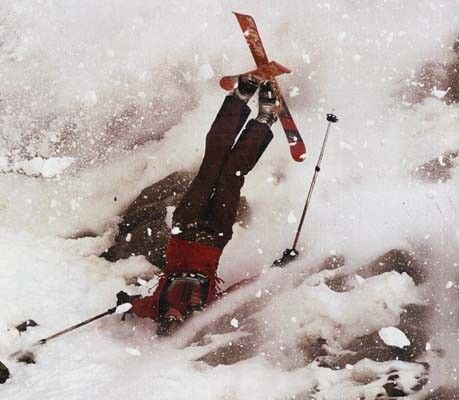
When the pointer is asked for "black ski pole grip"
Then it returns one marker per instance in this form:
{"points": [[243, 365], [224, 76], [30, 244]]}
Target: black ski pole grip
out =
{"points": [[332, 118], [287, 256]]}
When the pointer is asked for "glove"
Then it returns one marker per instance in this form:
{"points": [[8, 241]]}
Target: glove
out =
{"points": [[122, 297]]}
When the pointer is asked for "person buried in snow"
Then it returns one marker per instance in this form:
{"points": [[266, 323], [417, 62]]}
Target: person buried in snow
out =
{"points": [[203, 221]]}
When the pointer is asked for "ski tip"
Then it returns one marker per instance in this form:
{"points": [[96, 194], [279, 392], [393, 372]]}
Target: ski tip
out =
{"points": [[244, 19], [240, 14], [298, 152]]}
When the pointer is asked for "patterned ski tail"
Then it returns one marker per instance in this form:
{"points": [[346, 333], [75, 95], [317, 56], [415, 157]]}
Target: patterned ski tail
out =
{"points": [[252, 36]]}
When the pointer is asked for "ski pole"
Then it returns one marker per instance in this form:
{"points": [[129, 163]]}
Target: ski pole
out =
{"points": [[20, 353], [290, 254], [76, 326]]}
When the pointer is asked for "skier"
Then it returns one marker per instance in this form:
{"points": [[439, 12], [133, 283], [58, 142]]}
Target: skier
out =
{"points": [[202, 223]]}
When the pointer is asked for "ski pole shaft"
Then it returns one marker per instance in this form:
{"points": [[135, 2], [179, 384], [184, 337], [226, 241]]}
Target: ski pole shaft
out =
{"points": [[79, 325], [290, 254], [26, 355], [331, 118]]}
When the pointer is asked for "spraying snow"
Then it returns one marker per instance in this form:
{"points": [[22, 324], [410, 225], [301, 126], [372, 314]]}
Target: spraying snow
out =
{"points": [[122, 93]]}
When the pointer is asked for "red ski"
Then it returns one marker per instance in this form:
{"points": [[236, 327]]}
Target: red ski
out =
{"points": [[265, 72], [268, 71]]}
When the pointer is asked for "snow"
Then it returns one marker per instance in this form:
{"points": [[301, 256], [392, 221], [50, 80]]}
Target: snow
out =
{"points": [[439, 94], [90, 98], [294, 92], [133, 352], [393, 336], [123, 308], [70, 70], [205, 72], [291, 219], [234, 323], [384, 297], [47, 168]]}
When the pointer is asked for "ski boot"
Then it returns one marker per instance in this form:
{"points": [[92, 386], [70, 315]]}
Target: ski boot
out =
{"points": [[182, 295], [246, 87], [269, 104]]}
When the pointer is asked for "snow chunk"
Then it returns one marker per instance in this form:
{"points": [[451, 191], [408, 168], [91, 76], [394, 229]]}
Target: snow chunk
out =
{"points": [[394, 337], [306, 58], [346, 146], [438, 93], [294, 92], [90, 98], [176, 230], [205, 72], [390, 38], [74, 205], [3, 164], [342, 36], [47, 168], [123, 308], [449, 285], [169, 214], [234, 323], [291, 219], [133, 352]]}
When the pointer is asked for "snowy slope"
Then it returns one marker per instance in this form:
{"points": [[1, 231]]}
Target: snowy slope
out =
{"points": [[102, 82]]}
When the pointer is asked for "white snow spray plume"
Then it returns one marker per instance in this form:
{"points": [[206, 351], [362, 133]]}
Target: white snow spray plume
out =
{"points": [[126, 90]]}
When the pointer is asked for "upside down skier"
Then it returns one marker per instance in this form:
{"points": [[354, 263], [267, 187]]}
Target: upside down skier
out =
{"points": [[202, 223]]}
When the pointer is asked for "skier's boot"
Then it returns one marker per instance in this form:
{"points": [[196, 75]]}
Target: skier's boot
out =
{"points": [[182, 295], [246, 87], [269, 104]]}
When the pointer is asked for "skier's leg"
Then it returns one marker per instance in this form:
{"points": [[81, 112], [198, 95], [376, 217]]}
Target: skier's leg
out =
{"points": [[243, 157], [227, 125], [220, 138], [225, 202]]}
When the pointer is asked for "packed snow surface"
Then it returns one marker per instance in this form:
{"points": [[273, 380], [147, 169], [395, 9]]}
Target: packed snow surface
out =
{"points": [[101, 99]]}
